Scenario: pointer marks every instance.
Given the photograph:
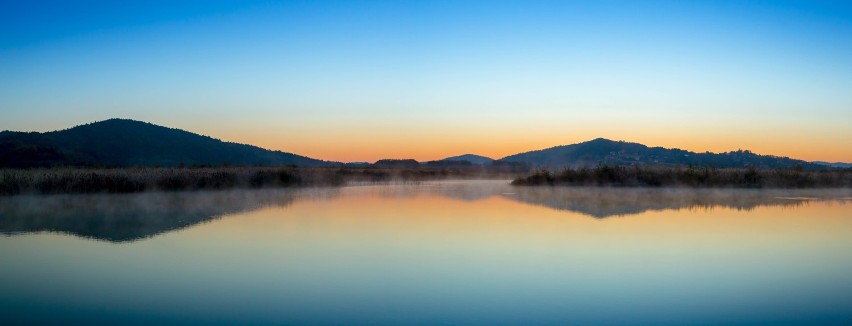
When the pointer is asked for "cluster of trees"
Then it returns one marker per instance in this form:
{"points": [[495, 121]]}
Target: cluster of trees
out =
{"points": [[607, 175]]}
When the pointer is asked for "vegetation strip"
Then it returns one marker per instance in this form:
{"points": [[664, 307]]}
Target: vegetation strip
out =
{"points": [[622, 176], [129, 180]]}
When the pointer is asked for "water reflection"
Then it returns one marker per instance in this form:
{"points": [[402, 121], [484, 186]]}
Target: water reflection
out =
{"points": [[607, 202], [130, 217], [121, 218], [472, 253]]}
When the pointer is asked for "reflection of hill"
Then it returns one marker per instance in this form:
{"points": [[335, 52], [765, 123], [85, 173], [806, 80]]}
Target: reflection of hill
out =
{"points": [[602, 202], [606, 202], [120, 218]]}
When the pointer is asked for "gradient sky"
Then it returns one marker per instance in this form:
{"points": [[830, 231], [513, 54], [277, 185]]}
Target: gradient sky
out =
{"points": [[360, 81]]}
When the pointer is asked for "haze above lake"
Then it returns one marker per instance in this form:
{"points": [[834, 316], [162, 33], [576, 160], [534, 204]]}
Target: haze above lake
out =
{"points": [[458, 252]]}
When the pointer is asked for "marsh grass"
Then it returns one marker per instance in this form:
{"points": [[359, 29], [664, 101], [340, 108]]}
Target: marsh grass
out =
{"points": [[72, 180], [130, 180], [604, 175]]}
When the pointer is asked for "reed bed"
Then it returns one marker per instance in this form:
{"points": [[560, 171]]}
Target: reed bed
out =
{"points": [[622, 176], [129, 180], [73, 180]]}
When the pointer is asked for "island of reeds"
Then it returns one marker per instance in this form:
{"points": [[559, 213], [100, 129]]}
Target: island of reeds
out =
{"points": [[636, 176]]}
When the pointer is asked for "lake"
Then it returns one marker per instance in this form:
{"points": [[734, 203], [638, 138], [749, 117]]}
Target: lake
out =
{"points": [[449, 252]]}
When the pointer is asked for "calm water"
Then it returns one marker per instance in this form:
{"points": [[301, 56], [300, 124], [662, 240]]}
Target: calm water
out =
{"points": [[455, 252]]}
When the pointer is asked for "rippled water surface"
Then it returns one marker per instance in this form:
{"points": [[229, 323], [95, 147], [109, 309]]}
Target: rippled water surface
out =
{"points": [[452, 252]]}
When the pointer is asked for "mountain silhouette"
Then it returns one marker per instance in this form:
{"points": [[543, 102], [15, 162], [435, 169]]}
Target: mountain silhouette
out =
{"points": [[605, 151], [126, 143], [130, 143], [472, 158]]}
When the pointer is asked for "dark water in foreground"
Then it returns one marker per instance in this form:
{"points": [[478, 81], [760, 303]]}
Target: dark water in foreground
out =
{"points": [[455, 252]]}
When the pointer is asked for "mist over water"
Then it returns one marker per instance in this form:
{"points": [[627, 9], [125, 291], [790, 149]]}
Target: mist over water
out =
{"points": [[131, 217], [471, 252]]}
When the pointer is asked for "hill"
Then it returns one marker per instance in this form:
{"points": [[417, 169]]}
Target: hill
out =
{"points": [[397, 163], [126, 143], [605, 151], [472, 158]]}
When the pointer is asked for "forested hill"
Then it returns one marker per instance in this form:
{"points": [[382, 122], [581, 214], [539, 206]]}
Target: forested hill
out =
{"points": [[126, 143], [472, 158], [605, 151]]}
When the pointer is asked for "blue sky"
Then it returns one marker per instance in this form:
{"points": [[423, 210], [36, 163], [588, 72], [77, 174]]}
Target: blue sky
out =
{"points": [[361, 80]]}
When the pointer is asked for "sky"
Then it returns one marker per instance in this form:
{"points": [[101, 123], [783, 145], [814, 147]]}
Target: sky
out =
{"points": [[365, 80]]}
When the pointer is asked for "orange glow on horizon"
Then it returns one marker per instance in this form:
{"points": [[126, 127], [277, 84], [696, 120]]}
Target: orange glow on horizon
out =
{"points": [[369, 145]]}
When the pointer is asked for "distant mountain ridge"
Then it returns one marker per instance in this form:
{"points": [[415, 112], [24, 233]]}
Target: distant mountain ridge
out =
{"points": [[472, 158], [127, 143], [605, 151]]}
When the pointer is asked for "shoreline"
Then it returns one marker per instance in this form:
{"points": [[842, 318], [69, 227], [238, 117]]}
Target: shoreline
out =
{"points": [[135, 180]]}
